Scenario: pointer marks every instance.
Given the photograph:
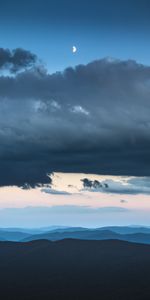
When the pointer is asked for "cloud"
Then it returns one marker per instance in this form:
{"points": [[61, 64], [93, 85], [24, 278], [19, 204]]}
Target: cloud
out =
{"points": [[113, 209], [71, 215], [123, 201], [79, 110], [63, 209], [93, 118], [16, 60], [135, 185], [54, 192], [132, 186], [94, 184]]}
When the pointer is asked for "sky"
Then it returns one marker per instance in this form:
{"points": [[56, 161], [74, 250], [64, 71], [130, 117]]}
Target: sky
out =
{"points": [[99, 29], [75, 116], [79, 199]]}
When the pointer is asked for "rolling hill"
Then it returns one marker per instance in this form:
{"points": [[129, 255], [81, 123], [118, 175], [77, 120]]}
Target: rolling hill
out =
{"points": [[89, 234], [54, 233]]}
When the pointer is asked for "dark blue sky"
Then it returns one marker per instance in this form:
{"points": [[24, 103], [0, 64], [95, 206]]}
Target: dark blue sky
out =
{"points": [[98, 28]]}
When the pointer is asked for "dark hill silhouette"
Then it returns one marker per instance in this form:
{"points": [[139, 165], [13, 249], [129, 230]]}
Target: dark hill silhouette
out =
{"points": [[74, 270]]}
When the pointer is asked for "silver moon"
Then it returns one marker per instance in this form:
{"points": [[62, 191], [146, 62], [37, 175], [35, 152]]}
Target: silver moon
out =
{"points": [[74, 49]]}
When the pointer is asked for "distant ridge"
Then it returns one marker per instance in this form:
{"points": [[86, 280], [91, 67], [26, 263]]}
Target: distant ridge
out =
{"points": [[125, 233], [96, 234]]}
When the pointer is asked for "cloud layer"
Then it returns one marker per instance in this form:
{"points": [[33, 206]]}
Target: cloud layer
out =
{"points": [[93, 118], [16, 60], [131, 186], [71, 215]]}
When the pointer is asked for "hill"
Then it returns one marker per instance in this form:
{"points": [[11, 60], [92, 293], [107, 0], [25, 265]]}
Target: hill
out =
{"points": [[89, 234], [54, 233], [74, 269]]}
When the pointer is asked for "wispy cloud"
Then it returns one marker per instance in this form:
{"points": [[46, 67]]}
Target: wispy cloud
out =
{"points": [[54, 192]]}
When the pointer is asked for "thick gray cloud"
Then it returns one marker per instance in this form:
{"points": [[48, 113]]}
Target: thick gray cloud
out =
{"points": [[93, 119], [16, 60]]}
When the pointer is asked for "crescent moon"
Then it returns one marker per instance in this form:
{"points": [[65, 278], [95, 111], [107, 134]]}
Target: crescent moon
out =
{"points": [[74, 49]]}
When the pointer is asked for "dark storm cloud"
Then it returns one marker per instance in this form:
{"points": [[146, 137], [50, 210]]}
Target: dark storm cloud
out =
{"points": [[16, 60], [94, 118], [94, 184]]}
